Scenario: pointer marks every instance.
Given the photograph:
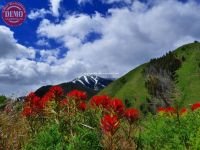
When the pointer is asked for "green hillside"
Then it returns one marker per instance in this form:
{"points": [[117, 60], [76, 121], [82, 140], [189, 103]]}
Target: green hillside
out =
{"points": [[130, 87], [189, 73], [157, 80]]}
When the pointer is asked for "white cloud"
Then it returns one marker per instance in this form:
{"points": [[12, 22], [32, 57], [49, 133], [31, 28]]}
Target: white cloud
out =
{"points": [[49, 56], [38, 13], [43, 42], [9, 48], [55, 6], [71, 31], [185, 39], [117, 1], [105, 1], [23, 75], [84, 1]]}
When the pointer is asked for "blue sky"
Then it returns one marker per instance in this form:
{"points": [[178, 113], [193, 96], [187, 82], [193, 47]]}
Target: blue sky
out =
{"points": [[63, 39], [67, 6]]}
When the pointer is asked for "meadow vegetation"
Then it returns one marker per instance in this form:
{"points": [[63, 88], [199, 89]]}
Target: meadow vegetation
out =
{"points": [[59, 121]]}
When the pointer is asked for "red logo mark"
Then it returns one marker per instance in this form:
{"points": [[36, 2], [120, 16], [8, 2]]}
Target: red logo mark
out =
{"points": [[14, 14]]}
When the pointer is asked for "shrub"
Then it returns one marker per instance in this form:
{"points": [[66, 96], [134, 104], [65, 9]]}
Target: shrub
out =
{"points": [[48, 138], [2, 101], [85, 139]]}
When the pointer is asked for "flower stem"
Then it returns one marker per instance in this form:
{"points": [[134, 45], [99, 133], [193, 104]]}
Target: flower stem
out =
{"points": [[129, 130]]}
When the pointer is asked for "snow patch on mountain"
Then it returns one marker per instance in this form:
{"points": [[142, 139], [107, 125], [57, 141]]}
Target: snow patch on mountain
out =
{"points": [[92, 81]]}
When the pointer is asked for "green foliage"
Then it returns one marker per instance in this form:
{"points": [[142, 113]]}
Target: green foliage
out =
{"points": [[48, 138], [162, 132], [2, 100], [80, 130], [52, 138], [128, 103], [160, 75], [168, 63], [183, 58], [85, 139]]}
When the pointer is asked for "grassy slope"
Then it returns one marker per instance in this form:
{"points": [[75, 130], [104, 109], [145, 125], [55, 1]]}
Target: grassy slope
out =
{"points": [[132, 85], [189, 73]]}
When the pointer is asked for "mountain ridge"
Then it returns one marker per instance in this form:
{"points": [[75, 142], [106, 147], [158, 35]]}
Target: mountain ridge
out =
{"points": [[91, 84]]}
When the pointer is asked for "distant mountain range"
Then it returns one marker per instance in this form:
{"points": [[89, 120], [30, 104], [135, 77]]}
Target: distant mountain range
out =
{"points": [[92, 84]]}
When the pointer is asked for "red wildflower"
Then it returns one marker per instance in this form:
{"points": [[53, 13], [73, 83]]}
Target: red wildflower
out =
{"points": [[42, 104], [27, 112], [30, 96], [45, 99], [183, 111], [64, 102], [77, 95], [100, 101], [56, 90], [82, 106], [195, 106], [131, 114], [117, 105], [48, 96], [109, 124], [170, 110], [34, 102], [161, 110]]}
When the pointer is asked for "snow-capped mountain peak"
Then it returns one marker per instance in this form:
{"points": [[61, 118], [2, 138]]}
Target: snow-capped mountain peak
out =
{"points": [[92, 81]]}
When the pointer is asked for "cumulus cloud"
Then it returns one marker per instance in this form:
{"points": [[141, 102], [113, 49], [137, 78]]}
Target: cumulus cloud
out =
{"points": [[43, 42], [106, 1], [23, 75], [38, 13], [55, 6], [49, 56], [72, 30], [117, 1], [9, 48]]}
